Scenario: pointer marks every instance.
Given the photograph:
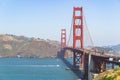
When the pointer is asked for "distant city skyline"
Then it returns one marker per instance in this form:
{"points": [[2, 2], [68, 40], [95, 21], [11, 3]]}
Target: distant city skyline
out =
{"points": [[45, 18]]}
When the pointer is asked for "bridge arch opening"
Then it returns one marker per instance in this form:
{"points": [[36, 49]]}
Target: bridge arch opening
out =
{"points": [[78, 32]]}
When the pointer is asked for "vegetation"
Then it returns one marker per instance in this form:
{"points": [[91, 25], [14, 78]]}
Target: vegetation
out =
{"points": [[113, 74], [12, 46]]}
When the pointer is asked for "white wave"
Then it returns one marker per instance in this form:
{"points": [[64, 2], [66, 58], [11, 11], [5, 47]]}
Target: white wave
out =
{"points": [[33, 65]]}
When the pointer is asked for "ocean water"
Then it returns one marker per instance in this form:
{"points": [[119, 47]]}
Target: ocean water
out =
{"points": [[34, 69]]}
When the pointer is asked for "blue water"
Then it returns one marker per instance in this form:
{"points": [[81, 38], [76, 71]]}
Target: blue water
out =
{"points": [[34, 69]]}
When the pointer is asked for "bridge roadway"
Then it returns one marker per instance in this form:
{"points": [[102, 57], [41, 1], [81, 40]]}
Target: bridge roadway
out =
{"points": [[94, 61], [88, 60]]}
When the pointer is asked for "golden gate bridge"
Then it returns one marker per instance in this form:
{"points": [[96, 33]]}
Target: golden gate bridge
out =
{"points": [[90, 61]]}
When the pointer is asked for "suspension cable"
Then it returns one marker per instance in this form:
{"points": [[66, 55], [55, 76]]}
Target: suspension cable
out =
{"points": [[88, 31], [77, 31], [70, 31]]}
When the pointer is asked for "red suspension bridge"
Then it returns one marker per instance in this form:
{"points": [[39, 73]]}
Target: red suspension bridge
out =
{"points": [[89, 60]]}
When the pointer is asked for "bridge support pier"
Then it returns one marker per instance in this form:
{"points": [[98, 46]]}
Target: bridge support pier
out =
{"points": [[112, 66], [86, 65], [100, 65], [91, 67], [95, 65], [103, 66], [77, 56]]}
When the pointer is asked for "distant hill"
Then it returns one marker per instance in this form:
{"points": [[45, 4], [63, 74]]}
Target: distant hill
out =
{"points": [[101, 49], [111, 50], [21, 46], [116, 48]]}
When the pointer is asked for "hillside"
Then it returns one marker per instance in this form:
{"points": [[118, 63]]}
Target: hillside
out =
{"points": [[113, 74], [116, 48], [101, 49], [20, 46]]}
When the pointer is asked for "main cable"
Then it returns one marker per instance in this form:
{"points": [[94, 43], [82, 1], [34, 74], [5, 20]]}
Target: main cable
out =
{"points": [[70, 31], [88, 31]]}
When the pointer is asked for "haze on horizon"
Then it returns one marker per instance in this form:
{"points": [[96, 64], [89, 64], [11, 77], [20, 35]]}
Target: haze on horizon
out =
{"points": [[46, 18]]}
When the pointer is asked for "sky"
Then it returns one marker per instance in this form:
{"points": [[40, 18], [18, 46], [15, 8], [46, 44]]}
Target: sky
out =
{"points": [[46, 18]]}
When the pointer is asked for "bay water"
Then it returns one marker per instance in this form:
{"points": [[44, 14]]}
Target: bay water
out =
{"points": [[34, 69]]}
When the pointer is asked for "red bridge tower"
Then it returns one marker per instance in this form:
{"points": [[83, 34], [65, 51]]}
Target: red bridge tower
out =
{"points": [[78, 40], [63, 38]]}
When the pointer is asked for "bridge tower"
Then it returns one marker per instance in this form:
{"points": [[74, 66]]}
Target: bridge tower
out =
{"points": [[78, 40], [63, 38]]}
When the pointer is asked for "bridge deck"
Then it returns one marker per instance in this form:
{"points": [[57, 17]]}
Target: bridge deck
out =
{"points": [[100, 55]]}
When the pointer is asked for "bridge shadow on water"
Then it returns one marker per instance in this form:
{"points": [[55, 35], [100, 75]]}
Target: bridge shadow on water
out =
{"points": [[77, 72]]}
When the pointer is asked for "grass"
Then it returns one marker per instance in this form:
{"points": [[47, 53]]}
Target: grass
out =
{"points": [[113, 74]]}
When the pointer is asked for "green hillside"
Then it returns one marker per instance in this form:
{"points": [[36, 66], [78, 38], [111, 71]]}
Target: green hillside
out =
{"points": [[113, 74]]}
